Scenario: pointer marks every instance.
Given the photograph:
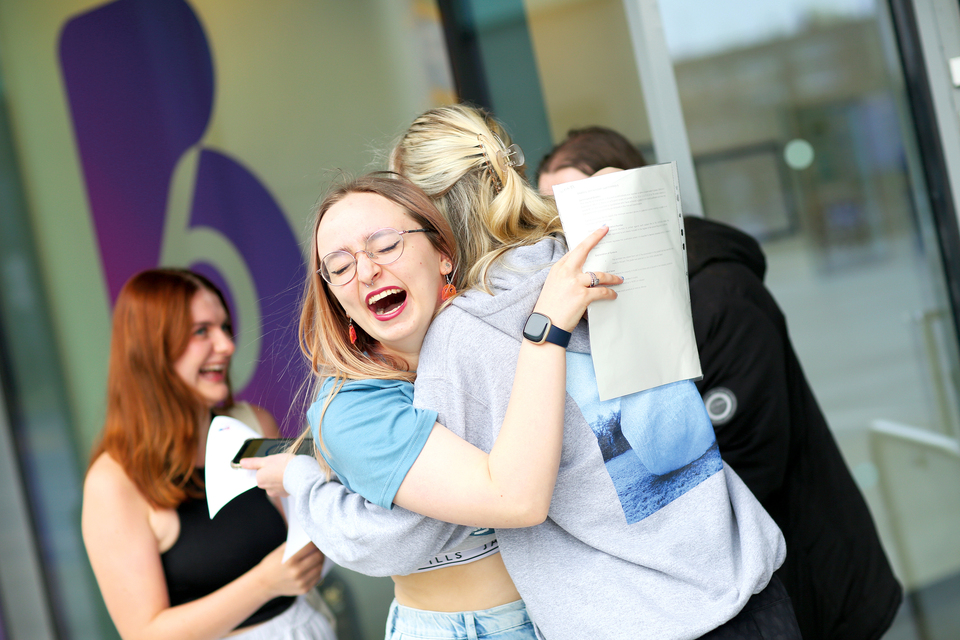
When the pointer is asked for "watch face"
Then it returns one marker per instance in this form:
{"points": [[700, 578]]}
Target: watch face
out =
{"points": [[536, 327]]}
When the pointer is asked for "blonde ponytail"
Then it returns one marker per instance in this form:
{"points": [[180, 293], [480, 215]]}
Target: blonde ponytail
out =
{"points": [[456, 155]]}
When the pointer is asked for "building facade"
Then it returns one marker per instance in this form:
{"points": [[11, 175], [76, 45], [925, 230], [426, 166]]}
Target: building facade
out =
{"points": [[140, 133]]}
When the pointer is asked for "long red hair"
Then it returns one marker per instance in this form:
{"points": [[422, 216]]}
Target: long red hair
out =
{"points": [[153, 415]]}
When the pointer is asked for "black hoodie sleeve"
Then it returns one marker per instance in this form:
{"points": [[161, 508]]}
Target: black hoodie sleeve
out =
{"points": [[744, 375]]}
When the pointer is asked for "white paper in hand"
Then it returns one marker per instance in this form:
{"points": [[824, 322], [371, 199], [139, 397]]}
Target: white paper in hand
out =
{"points": [[297, 538], [644, 338], [222, 482]]}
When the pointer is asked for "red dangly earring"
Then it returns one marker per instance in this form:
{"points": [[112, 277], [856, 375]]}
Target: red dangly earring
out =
{"points": [[449, 290], [353, 332]]}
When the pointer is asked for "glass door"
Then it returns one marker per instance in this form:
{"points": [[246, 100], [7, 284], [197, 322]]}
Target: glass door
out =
{"points": [[799, 127]]}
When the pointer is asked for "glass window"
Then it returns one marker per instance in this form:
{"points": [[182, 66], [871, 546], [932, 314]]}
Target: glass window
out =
{"points": [[797, 123], [586, 67], [176, 134]]}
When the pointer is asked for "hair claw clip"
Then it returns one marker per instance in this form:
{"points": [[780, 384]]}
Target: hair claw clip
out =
{"points": [[511, 156]]}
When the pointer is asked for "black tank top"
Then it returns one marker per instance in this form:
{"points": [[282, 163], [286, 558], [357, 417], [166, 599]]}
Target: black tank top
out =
{"points": [[208, 554]]}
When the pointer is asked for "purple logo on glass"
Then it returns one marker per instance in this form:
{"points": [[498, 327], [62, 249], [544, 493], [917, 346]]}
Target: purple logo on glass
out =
{"points": [[139, 79]]}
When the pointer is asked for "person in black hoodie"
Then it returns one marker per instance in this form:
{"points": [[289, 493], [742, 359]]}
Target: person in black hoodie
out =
{"points": [[768, 424]]}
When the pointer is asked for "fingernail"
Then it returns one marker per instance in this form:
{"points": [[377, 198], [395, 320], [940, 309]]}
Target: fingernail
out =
{"points": [[621, 278]]}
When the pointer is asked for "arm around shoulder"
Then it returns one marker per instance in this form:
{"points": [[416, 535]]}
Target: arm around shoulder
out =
{"points": [[358, 534]]}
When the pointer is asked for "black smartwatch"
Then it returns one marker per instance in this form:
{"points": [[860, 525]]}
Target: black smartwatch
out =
{"points": [[539, 329]]}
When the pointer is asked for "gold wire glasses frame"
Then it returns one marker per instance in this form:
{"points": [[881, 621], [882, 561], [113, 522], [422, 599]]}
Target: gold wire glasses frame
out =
{"points": [[382, 247]]}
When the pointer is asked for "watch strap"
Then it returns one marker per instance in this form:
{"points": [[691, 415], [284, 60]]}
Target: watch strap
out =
{"points": [[557, 336]]}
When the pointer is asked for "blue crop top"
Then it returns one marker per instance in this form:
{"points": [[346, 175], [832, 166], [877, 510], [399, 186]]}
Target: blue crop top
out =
{"points": [[372, 434]]}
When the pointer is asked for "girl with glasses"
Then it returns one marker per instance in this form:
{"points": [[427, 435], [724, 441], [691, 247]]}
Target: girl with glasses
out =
{"points": [[384, 264], [631, 547]]}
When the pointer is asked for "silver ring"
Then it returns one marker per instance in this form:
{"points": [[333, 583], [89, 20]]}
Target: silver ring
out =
{"points": [[594, 280]]}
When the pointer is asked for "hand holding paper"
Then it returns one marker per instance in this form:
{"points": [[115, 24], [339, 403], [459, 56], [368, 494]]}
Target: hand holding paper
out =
{"points": [[644, 338], [223, 483]]}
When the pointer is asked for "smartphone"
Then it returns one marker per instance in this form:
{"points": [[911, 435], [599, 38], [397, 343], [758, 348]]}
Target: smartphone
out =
{"points": [[259, 447]]}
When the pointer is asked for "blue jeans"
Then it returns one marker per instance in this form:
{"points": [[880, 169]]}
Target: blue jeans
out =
{"points": [[506, 622]]}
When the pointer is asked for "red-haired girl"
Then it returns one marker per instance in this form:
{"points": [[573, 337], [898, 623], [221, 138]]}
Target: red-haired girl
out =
{"points": [[165, 569]]}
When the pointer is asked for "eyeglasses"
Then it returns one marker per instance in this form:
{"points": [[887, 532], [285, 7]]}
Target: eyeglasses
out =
{"points": [[383, 247]]}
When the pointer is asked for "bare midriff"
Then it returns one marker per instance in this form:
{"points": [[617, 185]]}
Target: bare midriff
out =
{"points": [[479, 585]]}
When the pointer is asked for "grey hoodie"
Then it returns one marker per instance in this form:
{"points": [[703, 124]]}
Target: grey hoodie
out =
{"points": [[625, 552]]}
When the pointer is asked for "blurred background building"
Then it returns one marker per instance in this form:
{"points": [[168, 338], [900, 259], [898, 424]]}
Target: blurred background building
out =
{"points": [[136, 133]]}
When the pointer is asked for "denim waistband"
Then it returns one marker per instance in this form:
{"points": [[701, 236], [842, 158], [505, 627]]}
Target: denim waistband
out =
{"points": [[497, 621]]}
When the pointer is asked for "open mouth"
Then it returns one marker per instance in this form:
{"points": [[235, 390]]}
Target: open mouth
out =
{"points": [[385, 302], [213, 370]]}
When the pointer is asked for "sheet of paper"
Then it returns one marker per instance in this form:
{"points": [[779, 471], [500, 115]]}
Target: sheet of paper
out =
{"points": [[644, 338], [223, 483], [297, 538]]}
